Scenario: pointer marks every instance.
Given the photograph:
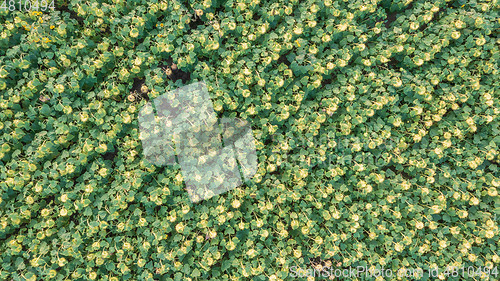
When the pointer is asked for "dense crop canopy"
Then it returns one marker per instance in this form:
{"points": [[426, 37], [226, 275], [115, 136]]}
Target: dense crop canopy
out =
{"points": [[376, 125]]}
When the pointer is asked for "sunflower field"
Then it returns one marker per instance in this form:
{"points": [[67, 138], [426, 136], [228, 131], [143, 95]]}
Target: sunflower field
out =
{"points": [[376, 127]]}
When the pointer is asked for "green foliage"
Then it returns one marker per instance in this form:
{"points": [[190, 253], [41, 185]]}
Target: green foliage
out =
{"points": [[376, 124]]}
